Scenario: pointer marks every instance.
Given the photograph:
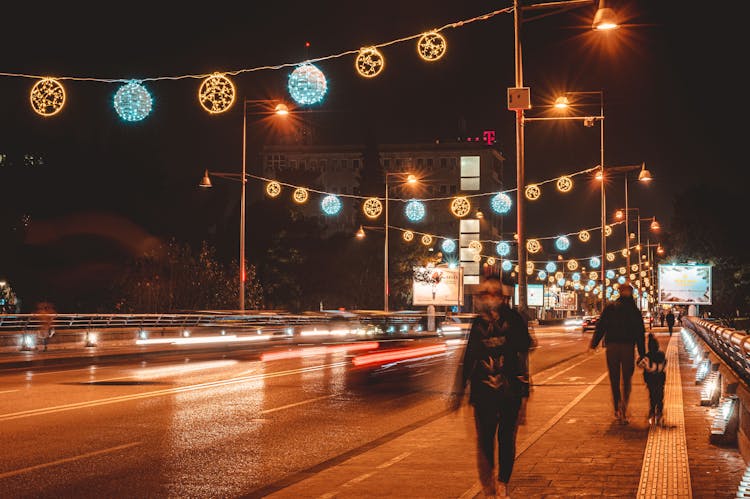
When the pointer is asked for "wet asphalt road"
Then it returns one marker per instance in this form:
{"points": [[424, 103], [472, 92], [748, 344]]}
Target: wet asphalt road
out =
{"points": [[217, 424]]}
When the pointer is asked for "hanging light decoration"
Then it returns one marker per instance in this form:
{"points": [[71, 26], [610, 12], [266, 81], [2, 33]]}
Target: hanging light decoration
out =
{"points": [[634, 267], [431, 46], [533, 192], [533, 246], [529, 268], [621, 280], [564, 184], [133, 102], [491, 260], [216, 94], [622, 270], [572, 264], [593, 275], [576, 277], [561, 282], [610, 257], [449, 245], [607, 230], [477, 258], [300, 195], [551, 267], [625, 252], [369, 62], [307, 85], [408, 236], [591, 283], [427, 239], [372, 207], [584, 236], [562, 243], [610, 274], [331, 205], [502, 248], [507, 265], [476, 246], [460, 206], [541, 275], [47, 97], [414, 210], [594, 262], [501, 203], [273, 189], [559, 275]]}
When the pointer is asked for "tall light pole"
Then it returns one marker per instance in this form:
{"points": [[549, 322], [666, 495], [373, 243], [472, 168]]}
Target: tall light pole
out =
{"points": [[643, 176], [411, 179], [519, 99], [279, 109]]}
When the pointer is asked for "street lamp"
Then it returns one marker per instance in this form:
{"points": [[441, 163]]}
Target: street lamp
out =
{"points": [[519, 100], [643, 176], [411, 180], [278, 109]]}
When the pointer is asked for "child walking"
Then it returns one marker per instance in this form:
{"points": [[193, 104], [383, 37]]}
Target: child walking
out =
{"points": [[654, 366]]}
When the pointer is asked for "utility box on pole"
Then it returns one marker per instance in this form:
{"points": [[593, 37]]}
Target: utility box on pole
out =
{"points": [[519, 99]]}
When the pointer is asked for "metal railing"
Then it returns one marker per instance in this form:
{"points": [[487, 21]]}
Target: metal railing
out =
{"points": [[731, 345]]}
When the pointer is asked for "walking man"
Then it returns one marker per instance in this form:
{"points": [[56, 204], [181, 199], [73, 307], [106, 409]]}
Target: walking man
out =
{"points": [[496, 366], [621, 328], [670, 321]]}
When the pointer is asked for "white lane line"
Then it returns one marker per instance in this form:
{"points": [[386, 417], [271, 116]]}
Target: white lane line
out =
{"points": [[531, 439], [587, 358], [665, 471], [289, 406], [364, 476], [160, 393], [9, 391], [66, 460]]}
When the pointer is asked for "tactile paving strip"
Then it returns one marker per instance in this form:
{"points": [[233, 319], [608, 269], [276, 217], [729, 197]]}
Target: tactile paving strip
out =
{"points": [[665, 472]]}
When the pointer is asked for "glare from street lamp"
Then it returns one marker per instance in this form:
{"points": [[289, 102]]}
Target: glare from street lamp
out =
{"points": [[605, 18], [655, 225], [360, 233], [599, 175], [281, 109], [562, 102], [645, 175], [660, 250], [618, 214], [411, 179], [206, 180]]}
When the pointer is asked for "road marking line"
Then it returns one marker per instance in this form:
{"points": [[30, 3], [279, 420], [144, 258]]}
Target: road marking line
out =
{"points": [[9, 391], [364, 476], [665, 471], [163, 392], [531, 439], [289, 406], [66, 460], [564, 370]]}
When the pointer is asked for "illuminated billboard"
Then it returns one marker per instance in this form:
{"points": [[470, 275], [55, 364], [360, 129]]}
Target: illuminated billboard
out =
{"points": [[534, 295], [685, 284], [438, 286]]}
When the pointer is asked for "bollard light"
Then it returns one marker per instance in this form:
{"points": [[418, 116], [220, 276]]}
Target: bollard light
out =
{"points": [[28, 342], [186, 333], [743, 489], [703, 369], [92, 338], [142, 334], [711, 389], [725, 414]]}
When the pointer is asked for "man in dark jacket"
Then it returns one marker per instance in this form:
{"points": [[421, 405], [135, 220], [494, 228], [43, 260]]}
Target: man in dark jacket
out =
{"points": [[495, 364], [621, 327], [670, 321]]}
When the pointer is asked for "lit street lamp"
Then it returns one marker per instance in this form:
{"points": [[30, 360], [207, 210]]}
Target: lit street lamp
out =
{"points": [[279, 109], [519, 100]]}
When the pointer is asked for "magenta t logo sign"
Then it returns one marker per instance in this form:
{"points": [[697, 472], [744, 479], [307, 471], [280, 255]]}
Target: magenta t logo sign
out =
{"points": [[489, 137]]}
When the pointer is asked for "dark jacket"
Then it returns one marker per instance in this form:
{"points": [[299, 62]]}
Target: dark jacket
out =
{"points": [[495, 361], [670, 318], [621, 323]]}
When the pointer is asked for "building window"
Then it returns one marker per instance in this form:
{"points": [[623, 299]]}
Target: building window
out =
{"points": [[443, 162], [429, 162], [386, 163], [454, 163], [355, 163], [431, 190], [313, 164], [303, 164], [443, 189], [420, 162], [453, 189], [398, 163], [344, 164], [323, 164], [293, 163]]}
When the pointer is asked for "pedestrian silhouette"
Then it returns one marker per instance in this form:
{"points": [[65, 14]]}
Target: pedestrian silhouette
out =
{"points": [[670, 321], [654, 366], [45, 315], [495, 365], [621, 328]]}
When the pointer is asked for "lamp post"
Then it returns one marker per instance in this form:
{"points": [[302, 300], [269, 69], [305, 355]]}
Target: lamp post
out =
{"points": [[604, 19], [643, 176], [279, 109], [410, 179]]}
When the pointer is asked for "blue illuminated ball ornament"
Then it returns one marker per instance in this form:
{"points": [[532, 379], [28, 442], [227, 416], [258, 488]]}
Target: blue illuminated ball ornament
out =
{"points": [[622, 280], [507, 265], [610, 274], [501, 203], [551, 267], [576, 276], [541, 275], [595, 262], [587, 288], [132, 101], [307, 85], [331, 205], [562, 243], [561, 282], [414, 210], [608, 293], [502, 248], [449, 245], [591, 283]]}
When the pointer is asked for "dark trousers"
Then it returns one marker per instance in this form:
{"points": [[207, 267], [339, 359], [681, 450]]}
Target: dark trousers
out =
{"points": [[497, 420], [621, 364], [670, 325], [655, 396]]}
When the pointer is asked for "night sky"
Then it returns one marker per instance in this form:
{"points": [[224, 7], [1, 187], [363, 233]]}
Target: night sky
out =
{"points": [[670, 78]]}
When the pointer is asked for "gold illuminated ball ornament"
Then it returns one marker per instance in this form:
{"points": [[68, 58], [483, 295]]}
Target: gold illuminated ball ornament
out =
{"points": [[216, 94], [300, 195], [369, 62], [431, 46], [273, 189], [572, 264], [584, 236], [47, 97], [533, 192], [607, 230], [477, 258], [408, 236], [372, 207], [491, 260], [460, 207], [533, 246], [476, 246], [564, 184], [610, 257], [593, 276], [625, 252], [427, 239]]}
